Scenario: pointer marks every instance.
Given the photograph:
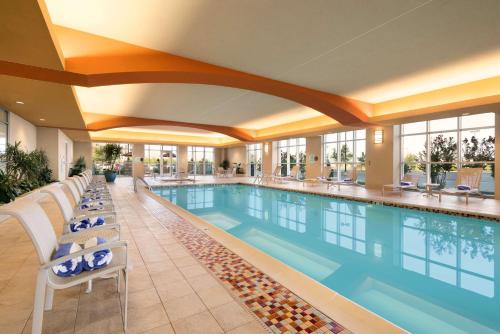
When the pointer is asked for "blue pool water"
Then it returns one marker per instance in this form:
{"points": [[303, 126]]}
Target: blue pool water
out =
{"points": [[425, 272]]}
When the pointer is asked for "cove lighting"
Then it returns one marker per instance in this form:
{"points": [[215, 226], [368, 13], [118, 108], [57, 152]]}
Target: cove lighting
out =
{"points": [[378, 137]]}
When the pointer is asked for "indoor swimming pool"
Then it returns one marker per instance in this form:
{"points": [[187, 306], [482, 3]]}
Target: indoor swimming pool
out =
{"points": [[425, 272]]}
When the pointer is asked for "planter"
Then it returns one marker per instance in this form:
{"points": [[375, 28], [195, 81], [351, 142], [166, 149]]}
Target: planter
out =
{"points": [[110, 176]]}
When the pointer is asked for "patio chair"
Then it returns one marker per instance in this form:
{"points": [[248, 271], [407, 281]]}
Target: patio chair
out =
{"points": [[349, 179], [409, 181], [37, 225], [220, 172], [467, 183]]}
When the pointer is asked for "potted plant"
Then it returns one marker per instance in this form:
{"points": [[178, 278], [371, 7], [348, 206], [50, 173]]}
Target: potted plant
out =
{"points": [[79, 167], [111, 153], [225, 164]]}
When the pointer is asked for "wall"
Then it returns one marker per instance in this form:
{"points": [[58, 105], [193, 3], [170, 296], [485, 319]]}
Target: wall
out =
{"points": [[137, 164], [54, 143], [237, 154], [382, 160], [267, 158], [313, 147], [83, 149], [23, 131]]}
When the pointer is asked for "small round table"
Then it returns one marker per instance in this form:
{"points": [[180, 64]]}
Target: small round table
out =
{"points": [[429, 187]]}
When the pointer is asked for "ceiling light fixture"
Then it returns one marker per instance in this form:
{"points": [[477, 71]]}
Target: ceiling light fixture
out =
{"points": [[19, 102], [42, 119], [466, 114]]}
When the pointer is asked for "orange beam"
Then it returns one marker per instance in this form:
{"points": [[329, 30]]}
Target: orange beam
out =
{"points": [[106, 122], [159, 67]]}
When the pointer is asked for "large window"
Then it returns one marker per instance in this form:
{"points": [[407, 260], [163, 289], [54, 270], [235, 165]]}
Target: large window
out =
{"points": [[437, 148], [200, 160], [160, 159], [344, 152], [292, 152], [254, 153], [124, 162]]}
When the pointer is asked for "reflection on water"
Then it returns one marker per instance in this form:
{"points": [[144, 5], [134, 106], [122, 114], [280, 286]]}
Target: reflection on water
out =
{"points": [[427, 272]]}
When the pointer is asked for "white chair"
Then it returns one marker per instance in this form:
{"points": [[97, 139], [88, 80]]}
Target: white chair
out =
{"points": [[466, 177], [77, 192], [37, 225], [111, 229], [409, 181]]}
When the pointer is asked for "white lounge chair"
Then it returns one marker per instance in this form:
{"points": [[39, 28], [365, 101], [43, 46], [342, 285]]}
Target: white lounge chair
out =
{"points": [[409, 181], [349, 179], [37, 225], [111, 230], [467, 183]]}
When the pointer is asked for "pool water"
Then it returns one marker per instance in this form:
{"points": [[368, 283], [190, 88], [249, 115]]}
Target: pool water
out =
{"points": [[425, 272]]}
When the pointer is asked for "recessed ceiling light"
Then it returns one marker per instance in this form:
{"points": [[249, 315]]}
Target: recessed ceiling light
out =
{"points": [[466, 114], [42, 119], [19, 102]]}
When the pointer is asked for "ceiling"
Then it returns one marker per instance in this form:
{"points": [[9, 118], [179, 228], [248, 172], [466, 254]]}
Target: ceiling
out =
{"points": [[389, 53]]}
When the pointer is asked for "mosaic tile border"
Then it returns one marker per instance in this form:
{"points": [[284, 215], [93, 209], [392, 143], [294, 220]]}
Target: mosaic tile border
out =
{"points": [[452, 212], [280, 310]]}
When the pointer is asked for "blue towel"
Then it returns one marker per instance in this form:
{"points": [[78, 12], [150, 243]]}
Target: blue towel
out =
{"points": [[99, 259], [405, 183], [71, 267], [463, 187], [81, 225], [86, 223]]}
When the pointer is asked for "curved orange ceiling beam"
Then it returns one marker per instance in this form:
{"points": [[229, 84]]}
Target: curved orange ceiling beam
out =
{"points": [[159, 67], [101, 122]]}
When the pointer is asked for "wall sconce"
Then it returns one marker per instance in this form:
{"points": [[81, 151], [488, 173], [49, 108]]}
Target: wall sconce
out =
{"points": [[266, 147], [379, 136]]}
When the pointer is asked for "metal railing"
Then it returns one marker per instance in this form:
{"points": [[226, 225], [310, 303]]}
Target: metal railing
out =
{"points": [[138, 178]]}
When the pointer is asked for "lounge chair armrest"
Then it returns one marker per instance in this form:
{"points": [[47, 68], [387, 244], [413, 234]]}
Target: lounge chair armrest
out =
{"points": [[91, 232], [106, 245], [105, 215]]}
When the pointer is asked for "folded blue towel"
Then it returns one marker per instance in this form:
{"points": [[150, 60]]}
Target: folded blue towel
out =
{"points": [[405, 183], [81, 225], [463, 187], [99, 259], [86, 223], [71, 267]]}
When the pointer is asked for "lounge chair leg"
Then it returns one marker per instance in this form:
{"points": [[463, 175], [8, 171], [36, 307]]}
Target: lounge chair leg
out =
{"points": [[439, 196], [466, 198], [41, 286], [49, 298], [118, 282], [89, 287], [125, 274]]}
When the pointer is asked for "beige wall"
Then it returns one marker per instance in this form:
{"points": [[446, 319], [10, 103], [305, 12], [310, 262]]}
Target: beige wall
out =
{"points": [[65, 153], [137, 160], [182, 161], [59, 149], [382, 160], [267, 158], [313, 150], [22, 131], [83, 149], [237, 154]]}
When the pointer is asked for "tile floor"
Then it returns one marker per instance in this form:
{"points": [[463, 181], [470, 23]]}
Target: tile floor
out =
{"points": [[169, 291]]}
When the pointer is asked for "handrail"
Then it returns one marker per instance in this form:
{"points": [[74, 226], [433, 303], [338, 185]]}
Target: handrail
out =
{"points": [[136, 178]]}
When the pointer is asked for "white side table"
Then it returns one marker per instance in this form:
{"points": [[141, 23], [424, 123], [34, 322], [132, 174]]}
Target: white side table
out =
{"points": [[429, 187]]}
